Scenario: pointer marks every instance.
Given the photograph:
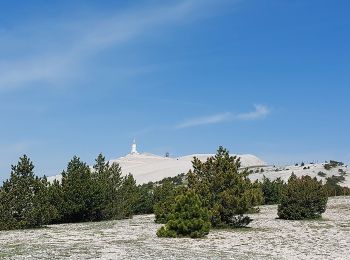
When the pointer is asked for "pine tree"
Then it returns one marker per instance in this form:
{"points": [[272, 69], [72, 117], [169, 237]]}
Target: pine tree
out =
{"points": [[272, 190], [187, 218], [164, 198], [304, 198], [145, 201], [225, 190], [23, 198], [101, 185], [78, 192], [112, 181], [56, 198], [127, 197]]}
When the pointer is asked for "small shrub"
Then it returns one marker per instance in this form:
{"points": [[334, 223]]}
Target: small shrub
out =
{"points": [[342, 172], [321, 174], [240, 221], [187, 219], [327, 166], [338, 179]]}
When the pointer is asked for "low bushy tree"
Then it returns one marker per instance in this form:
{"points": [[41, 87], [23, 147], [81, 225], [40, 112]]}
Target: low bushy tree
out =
{"points": [[187, 218], [224, 189], [304, 198]]}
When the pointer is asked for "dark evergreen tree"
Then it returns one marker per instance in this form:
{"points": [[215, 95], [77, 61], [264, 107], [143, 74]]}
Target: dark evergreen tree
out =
{"points": [[125, 205], [304, 198], [23, 198], [78, 192], [224, 189], [272, 190], [164, 198], [108, 182], [145, 199], [333, 187], [187, 218], [56, 198]]}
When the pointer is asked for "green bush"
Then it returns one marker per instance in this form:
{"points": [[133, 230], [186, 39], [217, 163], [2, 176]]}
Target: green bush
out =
{"points": [[304, 198], [187, 219], [321, 174]]}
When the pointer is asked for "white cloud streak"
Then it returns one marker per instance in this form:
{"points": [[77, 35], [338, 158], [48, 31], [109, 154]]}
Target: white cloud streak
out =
{"points": [[207, 120], [259, 112], [81, 39]]}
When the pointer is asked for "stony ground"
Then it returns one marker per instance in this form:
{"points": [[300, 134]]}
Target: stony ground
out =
{"points": [[268, 238]]}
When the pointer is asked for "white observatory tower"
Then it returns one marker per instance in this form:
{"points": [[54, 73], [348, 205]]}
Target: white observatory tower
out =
{"points": [[133, 147]]}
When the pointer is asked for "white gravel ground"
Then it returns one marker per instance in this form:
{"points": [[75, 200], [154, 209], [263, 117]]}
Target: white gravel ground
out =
{"points": [[268, 238]]}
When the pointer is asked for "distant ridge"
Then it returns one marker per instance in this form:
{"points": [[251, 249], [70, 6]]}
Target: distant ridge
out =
{"points": [[146, 167]]}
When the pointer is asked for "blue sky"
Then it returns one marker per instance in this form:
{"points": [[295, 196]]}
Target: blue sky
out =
{"points": [[267, 77]]}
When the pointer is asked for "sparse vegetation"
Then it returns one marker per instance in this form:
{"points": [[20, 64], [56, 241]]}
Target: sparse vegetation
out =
{"points": [[333, 187], [332, 164], [321, 174], [342, 172]]}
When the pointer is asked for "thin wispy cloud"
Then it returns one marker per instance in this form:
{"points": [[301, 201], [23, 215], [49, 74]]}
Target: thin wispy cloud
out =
{"points": [[259, 112], [81, 39], [206, 120]]}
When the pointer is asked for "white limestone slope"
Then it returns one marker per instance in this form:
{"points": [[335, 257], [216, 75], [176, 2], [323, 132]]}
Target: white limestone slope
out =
{"points": [[146, 167], [311, 170], [149, 167]]}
